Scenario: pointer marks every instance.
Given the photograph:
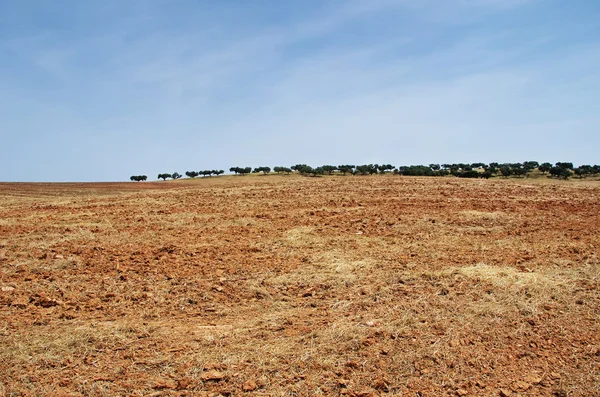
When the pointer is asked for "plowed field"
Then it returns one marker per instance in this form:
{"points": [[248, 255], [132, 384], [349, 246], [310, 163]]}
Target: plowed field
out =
{"points": [[292, 286]]}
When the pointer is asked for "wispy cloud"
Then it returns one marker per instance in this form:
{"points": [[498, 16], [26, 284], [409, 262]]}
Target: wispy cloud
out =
{"points": [[379, 80]]}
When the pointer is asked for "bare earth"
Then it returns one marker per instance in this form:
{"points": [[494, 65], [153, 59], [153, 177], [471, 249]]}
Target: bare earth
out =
{"points": [[291, 286]]}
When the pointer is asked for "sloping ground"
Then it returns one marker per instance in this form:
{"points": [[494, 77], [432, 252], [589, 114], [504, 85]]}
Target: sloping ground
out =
{"points": [[357, 286]]}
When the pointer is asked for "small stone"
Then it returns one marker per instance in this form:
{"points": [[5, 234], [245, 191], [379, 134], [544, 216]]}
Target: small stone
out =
{"points": [[505, 393], [249, 385], [59, 256], [212, 375], [462, 392], [370, 323], [555, 375], [8, 289]]}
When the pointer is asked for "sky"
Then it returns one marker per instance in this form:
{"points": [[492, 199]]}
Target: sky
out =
{"points": [[102, 90]]}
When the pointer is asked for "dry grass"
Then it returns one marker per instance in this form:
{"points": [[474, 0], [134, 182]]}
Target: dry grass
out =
{"points": [[288, 286]]}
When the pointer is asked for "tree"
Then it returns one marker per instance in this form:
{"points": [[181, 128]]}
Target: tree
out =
{"points": [[330, 169], [344, 169], [568, 166], [469, 174], [138, 178], [435, 167], [176, 175], [164, 177], [520, 171], [264, 170], [383, 168], [530, 165], [219, 172], [560, 172], [235, 170], [281, 170], [191, 174], [506, 171], [544, 167]]}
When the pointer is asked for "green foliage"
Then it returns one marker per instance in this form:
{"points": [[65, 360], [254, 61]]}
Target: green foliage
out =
{"points": [[345, 169], [506, 171], [330, 169], [192, 174], [469, 174], [544, 168], [176, 175], [560, 172], [281, 170], [383, 168], [164, 177], [138, 178], [240, 170], [264, 170], [568, 166]]}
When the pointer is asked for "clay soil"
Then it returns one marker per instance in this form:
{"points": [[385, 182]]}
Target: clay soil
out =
{"points": [[292, 286]]}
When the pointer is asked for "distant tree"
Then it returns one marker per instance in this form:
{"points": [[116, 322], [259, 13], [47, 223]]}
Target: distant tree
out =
{"points": [[264, 170], [164, 177], [138, 178], [560, 172], [435, 167], [235, 170], [345, 169], [506, 171], [330, 169], [301, 168], [383, 168], [520, 171], [416, 170], [317, 171], [469, 174], [530, 165], [568, 166], [176, 175], [544, 168], [478, 165], [281, 170], [245, 170], [219, 172], [191, 174]]}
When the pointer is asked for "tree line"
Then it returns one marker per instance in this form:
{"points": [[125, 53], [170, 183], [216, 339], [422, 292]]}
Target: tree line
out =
{"points": [[560, 170]]}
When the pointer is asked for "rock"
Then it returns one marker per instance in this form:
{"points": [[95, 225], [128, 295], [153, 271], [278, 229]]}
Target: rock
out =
{"points": [[8, 289], [59, 256], [555, 375], [212, 375], [249, 385], [461, 392], [505, 393]]}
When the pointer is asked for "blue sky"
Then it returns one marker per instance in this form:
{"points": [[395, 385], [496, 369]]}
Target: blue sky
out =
{"points": [[101, 90]]}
